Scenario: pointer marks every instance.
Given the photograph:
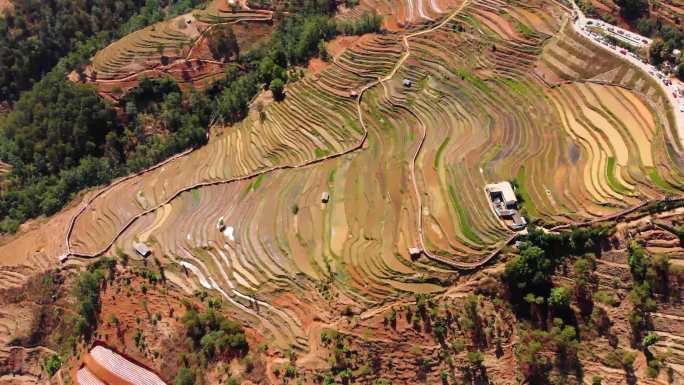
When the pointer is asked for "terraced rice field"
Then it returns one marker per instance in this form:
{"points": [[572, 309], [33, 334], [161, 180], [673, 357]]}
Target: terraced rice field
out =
{"points": [[403, 13], [177, 39], [404, 166]]}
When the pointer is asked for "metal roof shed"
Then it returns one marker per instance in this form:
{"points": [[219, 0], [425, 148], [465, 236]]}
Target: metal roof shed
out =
{"points": [[142, 249]]}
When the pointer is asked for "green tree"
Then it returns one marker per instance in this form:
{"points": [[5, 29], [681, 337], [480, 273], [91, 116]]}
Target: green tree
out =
{"points": [[475, 358], [645, 26], [277, 87], [650, 339], [560, 298], [322, 51], [52, 364], [633, 9], [222, 42], [657, 52]]}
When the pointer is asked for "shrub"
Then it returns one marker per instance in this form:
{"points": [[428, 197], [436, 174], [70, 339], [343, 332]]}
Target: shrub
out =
{"points": [[475, 358], [185, 377], [650, 339], [606, 298], [628, 359], [52, 364], [222, 42], [560, 298]]}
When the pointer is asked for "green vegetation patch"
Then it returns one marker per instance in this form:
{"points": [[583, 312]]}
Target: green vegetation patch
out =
{"points": [[612, 181], [657, 179], [519, 87], [195, 197], [257, 182], [524, 30], [478, 83], [440, 151], [321, 152], [463, 218], [524, 194]]}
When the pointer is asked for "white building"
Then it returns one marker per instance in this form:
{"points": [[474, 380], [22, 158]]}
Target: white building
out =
{"points": [[415, 252], [503, 193]]}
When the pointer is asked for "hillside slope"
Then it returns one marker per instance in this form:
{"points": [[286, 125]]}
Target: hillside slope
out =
{"points": [[298, 221]]}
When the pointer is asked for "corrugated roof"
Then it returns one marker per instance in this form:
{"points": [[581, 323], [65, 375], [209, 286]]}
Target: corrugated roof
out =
{"points": [[142, 249]]}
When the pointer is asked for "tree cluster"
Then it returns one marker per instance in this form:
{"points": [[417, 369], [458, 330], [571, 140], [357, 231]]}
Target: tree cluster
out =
{"points": [[61, 138], [530, 272], [535, 364], [650, 275], [35, 35], [210, 337], [633, 9], [87, 292]]}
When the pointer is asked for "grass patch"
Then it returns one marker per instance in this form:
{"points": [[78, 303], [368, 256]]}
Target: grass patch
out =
{"points": [[463, 218], [523, 192], [321, 152], [657, 179], [354, 125], [422, 83], [331, 177], [257, 182], [195, 197], [612, 181], [474, 22], [474, 80], [525, 30], [516, 86], [440, 150]]}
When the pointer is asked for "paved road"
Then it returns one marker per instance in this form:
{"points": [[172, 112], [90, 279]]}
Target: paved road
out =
{"points": [[619, 33], [581, 26]]}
